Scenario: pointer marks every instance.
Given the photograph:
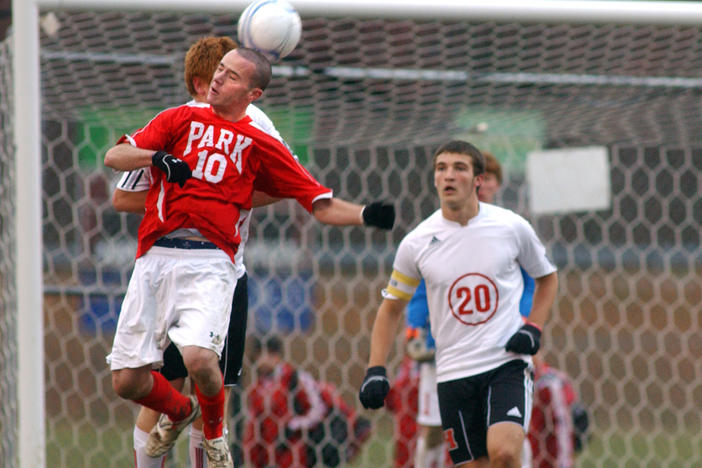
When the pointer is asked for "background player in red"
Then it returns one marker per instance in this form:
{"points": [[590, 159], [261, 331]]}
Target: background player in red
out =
{"points": [[402, 401], [558, 420], [295, 421], [227, 158]]}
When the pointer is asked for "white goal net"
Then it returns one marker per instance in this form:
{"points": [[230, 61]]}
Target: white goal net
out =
{"points": [[364, 102]]}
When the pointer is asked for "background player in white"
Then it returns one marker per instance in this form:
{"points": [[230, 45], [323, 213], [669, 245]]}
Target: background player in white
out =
{"points": [[430, 449], [469, 254], [201, 60], [184, 275]]}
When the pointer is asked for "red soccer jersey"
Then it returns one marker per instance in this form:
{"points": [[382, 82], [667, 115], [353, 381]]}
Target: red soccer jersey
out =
{"points": [[228, 161], [335, 434], [402, 401], [271, 406], [551, 427]]}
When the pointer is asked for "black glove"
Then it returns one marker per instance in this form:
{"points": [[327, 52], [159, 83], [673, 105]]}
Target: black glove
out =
{"points": [[375, 388], [379, 214], [176, 170], [526, 340]]}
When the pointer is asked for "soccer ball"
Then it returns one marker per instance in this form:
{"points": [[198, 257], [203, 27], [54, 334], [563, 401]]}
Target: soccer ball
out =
{"points": [[272, 27]]}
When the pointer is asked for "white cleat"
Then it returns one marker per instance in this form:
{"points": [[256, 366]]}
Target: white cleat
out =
{"points": [[165, 433], [218, 455]]}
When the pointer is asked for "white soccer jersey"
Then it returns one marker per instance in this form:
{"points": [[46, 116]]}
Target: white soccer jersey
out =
{"points": [[473, 284], [140, 180]]}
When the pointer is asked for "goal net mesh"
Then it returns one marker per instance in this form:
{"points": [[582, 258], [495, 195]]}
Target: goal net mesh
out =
{"points": [[364, 102]]}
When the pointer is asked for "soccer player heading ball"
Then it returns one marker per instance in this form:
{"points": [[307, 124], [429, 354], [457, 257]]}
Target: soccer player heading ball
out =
{"points": [[205, 162]]}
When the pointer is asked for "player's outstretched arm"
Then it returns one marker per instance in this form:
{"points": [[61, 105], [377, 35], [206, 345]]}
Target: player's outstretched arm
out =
{"points": [[338, 212], [125, 157]]}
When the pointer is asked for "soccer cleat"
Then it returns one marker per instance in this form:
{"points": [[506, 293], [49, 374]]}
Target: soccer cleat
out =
{"points": [[165, 433], [218, 455]]}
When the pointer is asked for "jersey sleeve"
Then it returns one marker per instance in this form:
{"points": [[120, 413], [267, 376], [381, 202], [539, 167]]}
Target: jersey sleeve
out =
{"points": [[137, 180], [532, 253], [316, 409], [156, 134], [405, 276], [280, 175]]}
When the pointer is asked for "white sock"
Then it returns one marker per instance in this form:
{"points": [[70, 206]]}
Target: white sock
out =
{"points": [[435, 457], [198, 458], [526, 454], [141, 459], [420, 453]]}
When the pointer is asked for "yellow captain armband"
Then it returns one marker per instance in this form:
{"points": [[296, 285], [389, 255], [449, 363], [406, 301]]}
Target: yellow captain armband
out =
{"points": [[401, 286]]}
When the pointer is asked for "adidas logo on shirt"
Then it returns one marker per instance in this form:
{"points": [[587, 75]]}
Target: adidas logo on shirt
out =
{"points": [[514, 412], [434, 240]]}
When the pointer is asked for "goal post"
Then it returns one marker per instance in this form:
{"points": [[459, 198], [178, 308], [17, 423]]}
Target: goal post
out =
{"points": [[631, 11], [677, 127], [31, 439]]}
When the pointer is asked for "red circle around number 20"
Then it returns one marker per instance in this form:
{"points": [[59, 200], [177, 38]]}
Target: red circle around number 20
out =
{"points": [[473, 299]]}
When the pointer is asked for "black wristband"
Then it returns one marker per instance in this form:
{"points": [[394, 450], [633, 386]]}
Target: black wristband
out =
{"points": [[158, 156], [376, 370], [379, 214]]}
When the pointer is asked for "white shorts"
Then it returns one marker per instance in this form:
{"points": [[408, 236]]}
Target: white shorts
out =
{"points": [[428, 412], [180, 295]]}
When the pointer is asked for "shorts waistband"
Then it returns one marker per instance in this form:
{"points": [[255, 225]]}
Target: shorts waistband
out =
{"points": [[178, 243]]}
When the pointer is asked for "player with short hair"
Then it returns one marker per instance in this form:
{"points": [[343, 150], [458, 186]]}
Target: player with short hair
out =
{"points": [[184, 275], [201, 60], [469, 254], [430, 448]]}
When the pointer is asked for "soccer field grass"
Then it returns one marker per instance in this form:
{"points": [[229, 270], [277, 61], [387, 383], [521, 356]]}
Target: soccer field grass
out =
{"points": [[607, 448]]}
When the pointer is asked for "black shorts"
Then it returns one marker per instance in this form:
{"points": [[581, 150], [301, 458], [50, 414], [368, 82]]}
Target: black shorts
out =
{"points": [[470, 405], [233, 352]]}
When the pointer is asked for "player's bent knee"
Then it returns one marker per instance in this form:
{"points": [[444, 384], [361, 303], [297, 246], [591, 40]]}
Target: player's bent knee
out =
{"points": [[505, 442], [203, 366], [130, 384], [505, 456]]}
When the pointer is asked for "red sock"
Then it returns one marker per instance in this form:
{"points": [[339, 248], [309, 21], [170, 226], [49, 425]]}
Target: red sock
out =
{"points": [[166, 399], [212, 409]]}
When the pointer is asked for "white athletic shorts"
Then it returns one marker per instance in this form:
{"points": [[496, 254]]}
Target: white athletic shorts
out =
{"points": [[428, 413], [181, 295]]}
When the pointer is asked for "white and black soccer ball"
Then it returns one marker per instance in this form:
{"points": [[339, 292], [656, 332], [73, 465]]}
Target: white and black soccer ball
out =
{"points": [[272, 27]]}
